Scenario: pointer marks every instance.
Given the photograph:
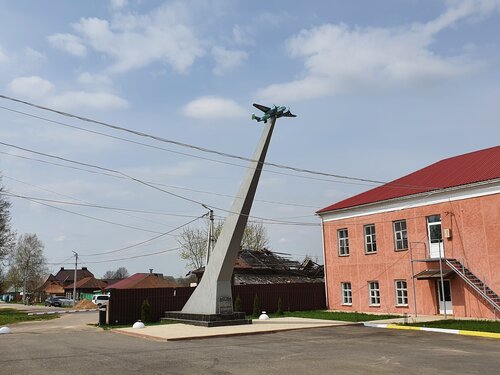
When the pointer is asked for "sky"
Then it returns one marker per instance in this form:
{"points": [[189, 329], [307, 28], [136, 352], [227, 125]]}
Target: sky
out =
{"points": [[380, 90]]}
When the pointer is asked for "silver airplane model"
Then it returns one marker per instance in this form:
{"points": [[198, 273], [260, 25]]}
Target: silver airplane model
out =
{"points": [[275, 111]]}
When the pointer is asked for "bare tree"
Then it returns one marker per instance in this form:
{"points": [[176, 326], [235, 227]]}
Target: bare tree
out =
{"points": [[27, 263], [7, 235], [120, 273], [193, 242]]}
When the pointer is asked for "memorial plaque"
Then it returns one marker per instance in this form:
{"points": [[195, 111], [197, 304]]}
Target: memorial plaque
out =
{"points": [[225, 305]]}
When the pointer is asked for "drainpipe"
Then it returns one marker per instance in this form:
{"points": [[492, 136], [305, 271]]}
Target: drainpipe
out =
{"points": [[324, 261], [413, 283], [442, 280]]}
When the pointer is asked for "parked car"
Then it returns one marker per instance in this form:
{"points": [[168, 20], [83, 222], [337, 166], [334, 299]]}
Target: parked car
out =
{"points": [[100, 300], [53, 301]]}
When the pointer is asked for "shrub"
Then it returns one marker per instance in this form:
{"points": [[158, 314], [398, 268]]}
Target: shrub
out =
{"points": [[256, 306], [146, 311], [279, 311], [237, 304]]}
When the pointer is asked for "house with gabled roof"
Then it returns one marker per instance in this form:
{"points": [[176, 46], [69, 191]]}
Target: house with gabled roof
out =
{"points": [[87, 285], [426, 243], [143, 281], [66, 276]]}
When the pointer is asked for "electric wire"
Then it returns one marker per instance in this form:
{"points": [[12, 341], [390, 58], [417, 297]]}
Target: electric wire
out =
{"points": [[138, 181], [178, 152], [158, 183], [199, 148]]}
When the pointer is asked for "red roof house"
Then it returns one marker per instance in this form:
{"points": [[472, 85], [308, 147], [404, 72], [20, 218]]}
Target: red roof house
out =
{"points": [[143, 281], [426, 243]]}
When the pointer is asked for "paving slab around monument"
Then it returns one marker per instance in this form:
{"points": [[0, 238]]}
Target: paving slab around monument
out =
{"points": [[171, 332]]}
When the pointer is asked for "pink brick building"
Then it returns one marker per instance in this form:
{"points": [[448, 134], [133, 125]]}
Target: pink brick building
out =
{"points": [[428, 242]]}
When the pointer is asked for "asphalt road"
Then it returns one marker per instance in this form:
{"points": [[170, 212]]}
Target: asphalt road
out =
{"points": [[68, 346]]}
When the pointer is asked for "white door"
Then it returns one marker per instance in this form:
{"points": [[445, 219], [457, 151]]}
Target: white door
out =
{"points": [[445, 305], [435, 236]]}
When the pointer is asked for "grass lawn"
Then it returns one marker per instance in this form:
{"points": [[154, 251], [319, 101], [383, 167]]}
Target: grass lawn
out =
{"points": [[334, 315], [9, 316], [465, 325]]}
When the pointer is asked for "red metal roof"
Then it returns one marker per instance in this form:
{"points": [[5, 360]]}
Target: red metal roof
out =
{"points": [[142, 280], [477, 166]]}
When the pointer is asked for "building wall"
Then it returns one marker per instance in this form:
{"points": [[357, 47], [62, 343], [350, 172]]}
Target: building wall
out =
{"points": [[475, 241]]}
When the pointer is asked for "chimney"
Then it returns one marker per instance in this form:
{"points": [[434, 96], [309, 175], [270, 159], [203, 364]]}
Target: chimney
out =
{"points": [[84, 268], [151, 271], [62, 268]]}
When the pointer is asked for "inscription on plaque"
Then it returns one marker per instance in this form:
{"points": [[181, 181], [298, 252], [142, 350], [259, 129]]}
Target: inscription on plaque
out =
{"points": [[225, 305]]}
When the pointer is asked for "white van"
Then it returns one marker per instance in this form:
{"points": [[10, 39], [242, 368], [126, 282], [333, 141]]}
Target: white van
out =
{"points": [[101, 299]]}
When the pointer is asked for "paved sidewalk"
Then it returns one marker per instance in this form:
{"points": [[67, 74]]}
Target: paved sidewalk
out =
{"points": [[179, 331]]}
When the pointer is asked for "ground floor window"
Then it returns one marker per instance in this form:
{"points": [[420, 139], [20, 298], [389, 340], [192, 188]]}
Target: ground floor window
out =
{"points": [[374, 293], [346, 294], [401, 289]]}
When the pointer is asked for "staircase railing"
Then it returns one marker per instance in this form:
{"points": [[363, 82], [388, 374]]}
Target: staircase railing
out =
{"points": [[469, 282]]}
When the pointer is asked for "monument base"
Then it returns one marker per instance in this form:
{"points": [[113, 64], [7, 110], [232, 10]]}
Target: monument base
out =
{"points": [[208, 320]]}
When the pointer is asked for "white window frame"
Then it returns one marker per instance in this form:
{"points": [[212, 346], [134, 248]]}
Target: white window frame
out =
{"points": [[346, 293], [402, 233], [370, 239], [374, 293], [401, 292], [343, 242]]}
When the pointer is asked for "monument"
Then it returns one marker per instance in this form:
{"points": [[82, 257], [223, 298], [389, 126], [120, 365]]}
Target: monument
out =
{"points": [[211, 303]]}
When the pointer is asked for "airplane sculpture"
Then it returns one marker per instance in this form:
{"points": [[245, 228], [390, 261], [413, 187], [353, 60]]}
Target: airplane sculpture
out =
{"points": [[275, 111]]}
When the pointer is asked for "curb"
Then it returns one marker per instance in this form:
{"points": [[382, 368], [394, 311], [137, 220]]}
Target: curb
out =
{"points": [[490, 335], [62, 312], [221, 334]]}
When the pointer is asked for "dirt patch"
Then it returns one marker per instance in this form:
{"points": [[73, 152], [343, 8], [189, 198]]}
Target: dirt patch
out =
{"points": [[85, 304]]}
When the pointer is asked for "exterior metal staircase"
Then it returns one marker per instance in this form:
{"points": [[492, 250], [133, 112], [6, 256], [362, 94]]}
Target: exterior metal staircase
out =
{"points": [[475, 283]]}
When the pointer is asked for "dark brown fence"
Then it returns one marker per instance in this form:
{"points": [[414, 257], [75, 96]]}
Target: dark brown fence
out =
{"points": [[125, 304]]}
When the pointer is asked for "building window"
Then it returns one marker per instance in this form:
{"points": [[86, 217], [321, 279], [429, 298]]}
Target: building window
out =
{"points": [[343, 242], [374, 293], [370, 240], [401, 292], [400, 235], [346, 294]]}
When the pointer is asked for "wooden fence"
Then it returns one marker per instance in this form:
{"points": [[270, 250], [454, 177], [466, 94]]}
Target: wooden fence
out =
{"points": [[125, 304]]}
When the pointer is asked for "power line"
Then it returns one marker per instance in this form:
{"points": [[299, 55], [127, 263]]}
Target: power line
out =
{"points": [[158, 183], [83, 215], [121, 211], [145, 241], [134, 179], [199, 148], [175, 152]]}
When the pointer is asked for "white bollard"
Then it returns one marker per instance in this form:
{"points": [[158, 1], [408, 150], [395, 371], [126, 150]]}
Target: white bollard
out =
{"points": [[5, 330], [263, 316], [138, 324]]}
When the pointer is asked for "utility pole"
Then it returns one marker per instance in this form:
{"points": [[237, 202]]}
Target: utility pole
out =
{"points": [[74, 283], [211, 234]]}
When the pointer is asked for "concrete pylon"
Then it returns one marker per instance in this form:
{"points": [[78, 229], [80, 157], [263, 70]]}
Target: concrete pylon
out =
{"points": [[213, 295]]}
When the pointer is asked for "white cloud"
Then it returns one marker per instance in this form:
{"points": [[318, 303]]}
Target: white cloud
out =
{"points": [[227, 60], [34, 55], [118, 4], [42, 90], [134, 41], [90, 79], [338, 58], [77, 100], [212, 107], [69, 43], [3, 56], [32, 87]]}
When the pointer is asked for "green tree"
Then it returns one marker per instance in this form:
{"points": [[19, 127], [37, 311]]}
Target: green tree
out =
{"points": [[146, 311], [256, 306]]}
